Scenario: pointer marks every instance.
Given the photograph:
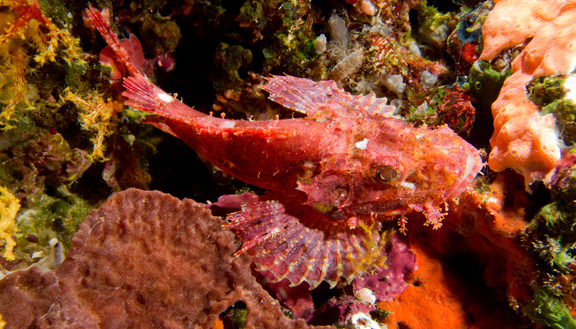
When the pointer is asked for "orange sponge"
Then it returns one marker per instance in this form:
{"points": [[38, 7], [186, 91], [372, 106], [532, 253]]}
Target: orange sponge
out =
{"points": [[523, 139]]}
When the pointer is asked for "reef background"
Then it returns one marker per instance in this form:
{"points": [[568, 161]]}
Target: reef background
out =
{"points": [[67, 141]]}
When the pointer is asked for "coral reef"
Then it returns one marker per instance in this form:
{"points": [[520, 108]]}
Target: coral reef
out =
{"points": [[25, 21], [378, 58], [524, 139], [39, 168], [503, 258], [463, 43], [550, 237], [553, 95], [484, 82], [95, 116], [449, 106], [389, 281], [57, 130], [129, 259]]}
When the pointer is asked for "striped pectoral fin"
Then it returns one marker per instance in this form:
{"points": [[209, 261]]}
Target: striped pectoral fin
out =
{"points": [[306, 247], [256, 223]]}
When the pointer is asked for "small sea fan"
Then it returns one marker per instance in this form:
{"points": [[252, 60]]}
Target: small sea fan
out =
{"points": [[302, 245]]}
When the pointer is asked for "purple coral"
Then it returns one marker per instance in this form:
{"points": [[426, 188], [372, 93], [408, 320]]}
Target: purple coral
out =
{"points": [[388, 282]]}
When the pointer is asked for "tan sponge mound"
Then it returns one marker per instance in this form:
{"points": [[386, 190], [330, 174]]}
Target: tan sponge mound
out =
{"points": [[142, 260]]}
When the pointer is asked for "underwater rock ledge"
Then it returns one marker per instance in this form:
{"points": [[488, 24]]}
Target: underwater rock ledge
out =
{"points": [[143, 259]]}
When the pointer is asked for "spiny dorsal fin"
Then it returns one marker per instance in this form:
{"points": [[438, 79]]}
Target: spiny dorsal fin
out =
{"points": [[308, 97]]}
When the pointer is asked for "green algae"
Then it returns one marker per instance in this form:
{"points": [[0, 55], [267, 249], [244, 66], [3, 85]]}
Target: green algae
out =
{"points": [[230, 59], [47, 217], [549, 93], [547, 309], [551, 237], [159, 35], [291, 36], [447, 106], [434, 26], [485, 83]]}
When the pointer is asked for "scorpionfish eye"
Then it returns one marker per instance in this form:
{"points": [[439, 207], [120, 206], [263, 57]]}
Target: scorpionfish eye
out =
{"points": [[384, 174]]}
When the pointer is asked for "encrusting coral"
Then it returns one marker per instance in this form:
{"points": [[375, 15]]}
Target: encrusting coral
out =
{"points": [[9, 206], [142, 258], [24, 20], [523, 139]]}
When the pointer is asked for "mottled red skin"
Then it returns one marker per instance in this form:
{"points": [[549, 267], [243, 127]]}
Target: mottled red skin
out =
{"points": [[351, 159], [319, 155]]}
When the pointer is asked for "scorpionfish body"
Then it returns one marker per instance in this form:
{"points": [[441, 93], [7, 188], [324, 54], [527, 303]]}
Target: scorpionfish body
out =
{"points": [[332, 175]]}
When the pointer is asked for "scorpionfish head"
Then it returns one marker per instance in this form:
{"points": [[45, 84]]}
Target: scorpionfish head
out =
{"points": [[394, 170]]}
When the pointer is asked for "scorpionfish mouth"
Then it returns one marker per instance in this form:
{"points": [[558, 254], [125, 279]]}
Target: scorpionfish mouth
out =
{"points": [[470, 168]]}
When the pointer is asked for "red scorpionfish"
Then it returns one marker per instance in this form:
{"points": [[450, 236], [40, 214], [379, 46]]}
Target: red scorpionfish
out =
{"points": [[332, 175]]}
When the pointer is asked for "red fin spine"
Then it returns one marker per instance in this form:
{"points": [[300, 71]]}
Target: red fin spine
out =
{"points": [[372, 105], [96, 18], [141, 95], [258, 232], [299, 94]]}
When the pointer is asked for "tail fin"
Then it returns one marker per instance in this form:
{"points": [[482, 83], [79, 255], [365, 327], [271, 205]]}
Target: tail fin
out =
{"points": [[145, 96], [141, 94]]}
